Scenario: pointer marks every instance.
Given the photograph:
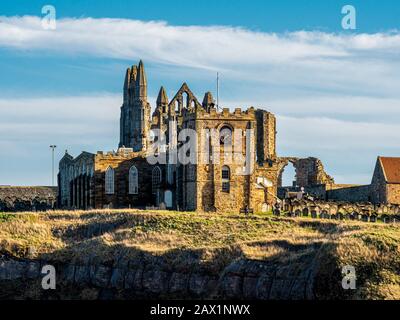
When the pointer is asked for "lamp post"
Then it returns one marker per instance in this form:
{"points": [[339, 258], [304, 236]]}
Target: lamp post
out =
{"points": [[52, 162]]}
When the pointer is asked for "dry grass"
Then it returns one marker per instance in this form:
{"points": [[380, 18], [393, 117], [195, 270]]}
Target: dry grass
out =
{"points": [[102, 234]]}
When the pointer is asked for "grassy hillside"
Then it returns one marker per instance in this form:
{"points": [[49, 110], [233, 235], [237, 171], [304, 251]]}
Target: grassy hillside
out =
{"points": [[218, 239]]}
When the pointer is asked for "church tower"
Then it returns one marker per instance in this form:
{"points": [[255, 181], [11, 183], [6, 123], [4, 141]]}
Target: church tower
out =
{"points": [[135, 111]]}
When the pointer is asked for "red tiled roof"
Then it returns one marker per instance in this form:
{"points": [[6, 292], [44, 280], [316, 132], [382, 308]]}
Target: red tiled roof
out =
{"points": [[391, 169]]}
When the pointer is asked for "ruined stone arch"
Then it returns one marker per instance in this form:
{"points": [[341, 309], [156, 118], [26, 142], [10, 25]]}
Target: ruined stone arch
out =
{"points": [[177, 102], [282, 164]]}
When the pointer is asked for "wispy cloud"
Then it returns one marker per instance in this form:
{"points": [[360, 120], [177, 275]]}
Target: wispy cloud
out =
{"points": [[336, 95], [346, 62]]}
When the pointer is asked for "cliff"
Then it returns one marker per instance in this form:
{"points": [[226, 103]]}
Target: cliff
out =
{"points": [[137, 254]]}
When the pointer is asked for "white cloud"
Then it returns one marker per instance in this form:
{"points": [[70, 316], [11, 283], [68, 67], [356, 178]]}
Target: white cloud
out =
{"points": [[336, 95], [327, 61]]}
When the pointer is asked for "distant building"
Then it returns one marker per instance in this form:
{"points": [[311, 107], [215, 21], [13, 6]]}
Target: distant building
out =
{"points": [[385, 186], [125, 178]]}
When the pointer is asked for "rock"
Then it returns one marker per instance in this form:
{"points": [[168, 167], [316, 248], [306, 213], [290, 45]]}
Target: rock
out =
{"points": [[231, 286], [129, 279], [117, 278], [198, 284], [178, 283], [82, 275], [249, 287], [33, 270], [100, 275], [154, 281]]}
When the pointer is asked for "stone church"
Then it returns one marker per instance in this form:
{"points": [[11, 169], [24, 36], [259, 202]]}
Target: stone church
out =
{"points": [[127, 179]]}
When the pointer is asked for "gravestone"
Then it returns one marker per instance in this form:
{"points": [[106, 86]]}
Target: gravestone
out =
{"points": [[314, 214]]}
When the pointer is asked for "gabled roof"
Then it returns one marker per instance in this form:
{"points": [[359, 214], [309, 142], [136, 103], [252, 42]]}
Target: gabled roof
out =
{"points": [[391, 168]]}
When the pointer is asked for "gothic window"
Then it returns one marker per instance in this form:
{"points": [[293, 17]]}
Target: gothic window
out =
{"points": [[109, 181], [226, 177], [133, 180], [225, 135], [155, 179], [184, 100]]}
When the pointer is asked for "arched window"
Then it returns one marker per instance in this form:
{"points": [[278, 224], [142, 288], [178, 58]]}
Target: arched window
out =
{"points": [[109, 181], [185, 100], [133, 180], [155, 179], [225, 135], [226, 177]]}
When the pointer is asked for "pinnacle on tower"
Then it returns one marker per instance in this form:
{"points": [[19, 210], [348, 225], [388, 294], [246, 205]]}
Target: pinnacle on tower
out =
{"points": [[132, 82], [141, 82], [162, 98], [208, 100], [126, 84], [133, 75]]}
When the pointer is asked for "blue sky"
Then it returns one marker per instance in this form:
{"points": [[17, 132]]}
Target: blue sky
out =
{"points": [[335, 92]]}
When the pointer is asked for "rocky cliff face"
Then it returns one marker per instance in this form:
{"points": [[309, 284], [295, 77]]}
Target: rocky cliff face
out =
{"points": [[154, 277], [14, 199]]}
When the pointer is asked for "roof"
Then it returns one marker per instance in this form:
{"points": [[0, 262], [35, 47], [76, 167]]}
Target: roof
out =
{"points": [[391, 169]]}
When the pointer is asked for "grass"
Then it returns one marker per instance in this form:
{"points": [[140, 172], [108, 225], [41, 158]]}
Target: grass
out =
{"points": [[6, 217], [373, 249]]}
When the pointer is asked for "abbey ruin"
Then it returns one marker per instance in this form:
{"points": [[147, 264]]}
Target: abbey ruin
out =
{"points": [[126, 179]]}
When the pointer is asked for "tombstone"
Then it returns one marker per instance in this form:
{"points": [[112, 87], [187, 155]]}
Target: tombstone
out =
{"points": [[387, 219], [365, 218], [297, 213], [324, 214], [314, 214], [264, 207], [356, 216], [305, 212], [373, 218]]}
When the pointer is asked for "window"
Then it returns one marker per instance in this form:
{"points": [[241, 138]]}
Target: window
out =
{"points": [[155, 179], [225, 135], [133, 180], [109, 181], [226, 176]]}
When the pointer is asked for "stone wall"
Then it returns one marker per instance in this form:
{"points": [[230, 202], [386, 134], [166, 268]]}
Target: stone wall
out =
{"points": [[349, 193], [13, 199], [121, 163], [309, 171], [242, 191]]}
